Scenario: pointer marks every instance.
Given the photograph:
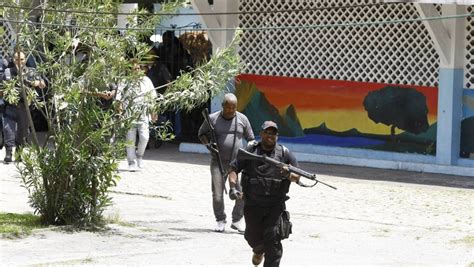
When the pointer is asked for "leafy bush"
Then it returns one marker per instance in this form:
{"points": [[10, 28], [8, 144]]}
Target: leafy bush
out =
{"points": [[68, 176]]}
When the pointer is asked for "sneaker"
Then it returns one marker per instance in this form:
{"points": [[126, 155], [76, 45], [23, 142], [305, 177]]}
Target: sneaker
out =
{"points": [[257, 258], [132, 167], [220, 227], [239, 226], [140, 163]]}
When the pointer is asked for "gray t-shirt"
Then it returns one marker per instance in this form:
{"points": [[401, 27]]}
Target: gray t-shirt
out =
{"points": [[225, 130]]}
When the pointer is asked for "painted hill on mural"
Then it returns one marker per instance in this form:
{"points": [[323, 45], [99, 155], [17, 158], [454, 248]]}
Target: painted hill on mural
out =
{"points": [[426, 137], [252, 101], [324, 130], [424, 143]]}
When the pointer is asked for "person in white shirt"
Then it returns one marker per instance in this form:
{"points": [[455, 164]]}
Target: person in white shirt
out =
{"points": [[139, 97]]}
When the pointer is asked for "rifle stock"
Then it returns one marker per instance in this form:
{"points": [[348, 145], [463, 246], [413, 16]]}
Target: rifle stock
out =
{"points": [[245, 155]]}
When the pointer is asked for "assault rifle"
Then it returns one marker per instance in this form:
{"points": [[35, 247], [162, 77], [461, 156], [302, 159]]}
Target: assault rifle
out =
{"points": [[245, 155], [213, 146]]}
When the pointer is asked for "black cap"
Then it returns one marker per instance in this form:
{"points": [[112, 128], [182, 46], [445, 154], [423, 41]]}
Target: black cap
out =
{"points": [[269, 124]]}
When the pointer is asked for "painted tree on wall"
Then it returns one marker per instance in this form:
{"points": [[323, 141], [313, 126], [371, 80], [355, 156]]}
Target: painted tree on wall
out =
{"points": [[398, 107], [467, 137]]}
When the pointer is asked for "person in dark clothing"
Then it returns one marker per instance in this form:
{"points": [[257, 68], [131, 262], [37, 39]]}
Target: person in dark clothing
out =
{"points": [[173, 55], [3, 66], [264, 190], [176, 59], [158, 72], [15, 123], [160, 77]]}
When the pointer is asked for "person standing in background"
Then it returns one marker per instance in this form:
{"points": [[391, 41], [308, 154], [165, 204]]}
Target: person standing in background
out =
{"points": [[15, 117]]}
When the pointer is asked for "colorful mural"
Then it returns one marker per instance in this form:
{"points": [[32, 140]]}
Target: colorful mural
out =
{"points": [[343, 113], [467, 124]]}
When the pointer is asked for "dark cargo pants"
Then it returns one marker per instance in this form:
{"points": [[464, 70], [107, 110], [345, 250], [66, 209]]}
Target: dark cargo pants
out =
{"points": [[15, 125], [261, 234]]}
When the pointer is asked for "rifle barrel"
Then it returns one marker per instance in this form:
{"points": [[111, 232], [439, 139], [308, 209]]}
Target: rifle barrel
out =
{"points": [[333, 187], [308, 175]]}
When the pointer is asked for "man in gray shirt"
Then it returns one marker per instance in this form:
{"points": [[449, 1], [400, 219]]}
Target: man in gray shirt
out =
{"points": [[230, 126]]}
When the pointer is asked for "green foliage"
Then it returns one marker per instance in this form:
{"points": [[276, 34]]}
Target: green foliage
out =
{"points": [[14, 225], [68, 177], [162, 132], [10, 92]]}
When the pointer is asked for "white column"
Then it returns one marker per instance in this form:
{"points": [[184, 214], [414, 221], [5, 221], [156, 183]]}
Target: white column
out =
{"points": [[227, 21], [219, 38], [122, 19]]}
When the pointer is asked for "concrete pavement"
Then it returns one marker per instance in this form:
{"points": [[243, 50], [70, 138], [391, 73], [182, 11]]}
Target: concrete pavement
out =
{"points": [[164, 216]]}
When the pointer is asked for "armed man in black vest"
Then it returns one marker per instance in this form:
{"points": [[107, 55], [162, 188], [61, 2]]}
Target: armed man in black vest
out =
{"points": [[264, 192]]}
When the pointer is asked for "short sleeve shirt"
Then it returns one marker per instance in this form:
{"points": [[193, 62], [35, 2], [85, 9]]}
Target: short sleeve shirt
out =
{"points": [[225, 130]]}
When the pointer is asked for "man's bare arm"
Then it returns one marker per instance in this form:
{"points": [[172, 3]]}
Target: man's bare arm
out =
{"points": [[39, 83], [203, 138], [233, 192], [232, 178]]}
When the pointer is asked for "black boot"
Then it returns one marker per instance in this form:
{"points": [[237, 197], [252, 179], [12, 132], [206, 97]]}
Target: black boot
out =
{"points": [[8, 156]]}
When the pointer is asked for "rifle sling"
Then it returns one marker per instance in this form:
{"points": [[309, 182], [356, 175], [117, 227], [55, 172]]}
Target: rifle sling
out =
{"points": [[232, 157], [305, 185]]}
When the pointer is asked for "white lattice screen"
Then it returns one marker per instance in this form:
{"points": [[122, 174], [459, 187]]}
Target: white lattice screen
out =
{"points": [[469, 67], [394, 53], [7, 38], [400, 53]]}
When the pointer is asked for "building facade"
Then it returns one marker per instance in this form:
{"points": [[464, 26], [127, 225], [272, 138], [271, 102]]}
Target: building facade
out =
{"points": [[366, 83]]}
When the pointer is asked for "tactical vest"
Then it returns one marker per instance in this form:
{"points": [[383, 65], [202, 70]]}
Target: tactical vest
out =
{"points": [[262, 181]]}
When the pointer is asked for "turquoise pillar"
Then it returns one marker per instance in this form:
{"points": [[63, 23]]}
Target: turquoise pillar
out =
{"points": [[451, 36], [449, 116]]}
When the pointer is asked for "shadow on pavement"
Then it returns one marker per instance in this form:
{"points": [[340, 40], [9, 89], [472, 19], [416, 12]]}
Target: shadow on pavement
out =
{"points": [[353, 172], [170, 152], [202, 230]]}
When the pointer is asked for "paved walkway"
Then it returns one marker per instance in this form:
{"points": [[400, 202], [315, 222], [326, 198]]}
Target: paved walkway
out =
{"points": [[164, 217]]}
